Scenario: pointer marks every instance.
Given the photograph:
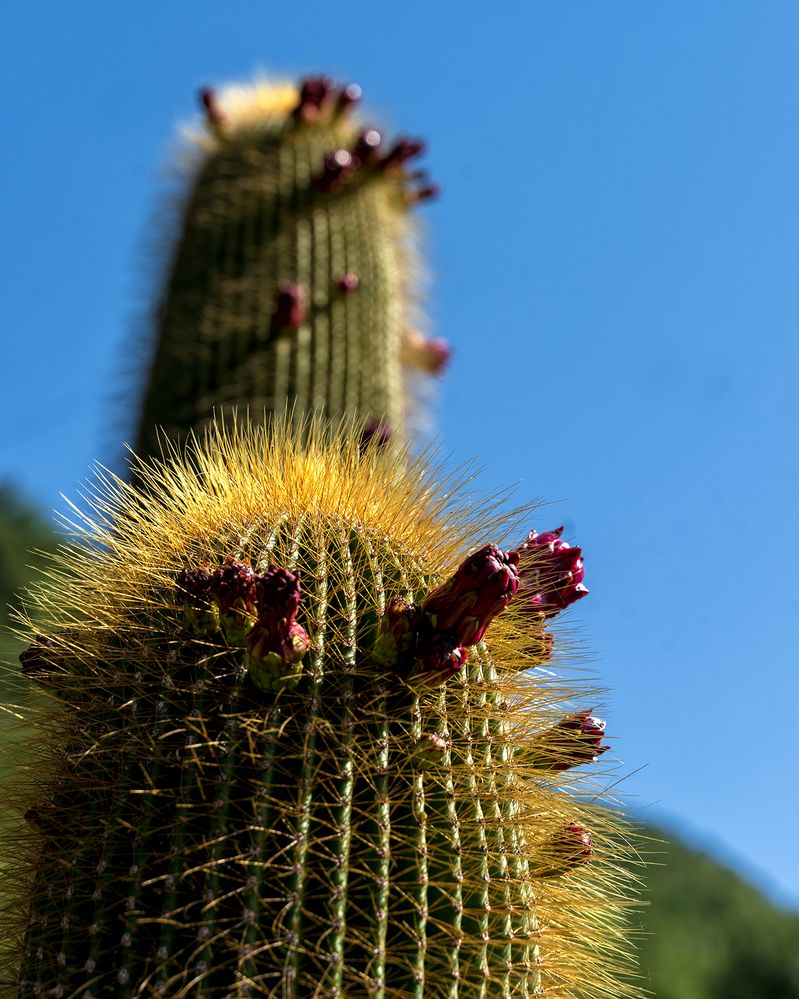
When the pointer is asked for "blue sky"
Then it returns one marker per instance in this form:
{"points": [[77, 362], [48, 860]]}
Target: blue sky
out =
{"points": [[615, 258]]}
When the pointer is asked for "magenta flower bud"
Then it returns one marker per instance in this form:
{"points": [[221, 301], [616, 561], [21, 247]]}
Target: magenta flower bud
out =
{"points": [[348, 97], [427, 192], [428, 750], [233, 590], [567, 850], [552, 573], [201, 613], [316, 93], [338, 168], [437, 660], [213, 115], [402, 151], [348, 282], [465, 605], [37, 662], [429, 354], [367, 146], [276, 643], [542, 645], [289, 310], [575, 740], [375, 431], [396, 639]]}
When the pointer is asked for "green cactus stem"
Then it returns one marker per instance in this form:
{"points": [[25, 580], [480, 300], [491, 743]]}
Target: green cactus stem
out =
{"points": [[292, 281], [369, 822]]}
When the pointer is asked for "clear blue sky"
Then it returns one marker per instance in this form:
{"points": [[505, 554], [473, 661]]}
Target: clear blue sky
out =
{"points": [[616, 260]]}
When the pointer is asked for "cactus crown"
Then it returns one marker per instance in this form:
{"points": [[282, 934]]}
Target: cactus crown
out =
{"points": [[352, 829]]}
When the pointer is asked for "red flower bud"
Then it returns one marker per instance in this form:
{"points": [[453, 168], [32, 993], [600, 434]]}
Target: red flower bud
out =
{"points": [[213, 116], [339, 166], [232, 588], [466, 604], [428, 750], [289, 311], [437, 661], [348, 282], [348, 97], [276, 643], [430, 354], [552, 573], [201, 613], [402, 151], [367, 146], [564, 852], [37, 662], [396, 639], [377, 431], [573, 741], [316, 93]]}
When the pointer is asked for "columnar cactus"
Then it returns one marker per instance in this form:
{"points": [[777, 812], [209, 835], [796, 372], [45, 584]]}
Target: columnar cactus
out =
{"points": [[299, 746], [292, 282]]}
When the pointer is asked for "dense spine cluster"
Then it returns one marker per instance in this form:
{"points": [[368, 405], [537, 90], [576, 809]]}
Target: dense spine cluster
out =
{"points": [[296, 748]]}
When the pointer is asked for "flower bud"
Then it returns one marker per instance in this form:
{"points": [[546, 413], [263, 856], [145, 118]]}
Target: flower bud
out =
{"points": [[567, 850], [200, 613], [348, 282], [437, 660], [575, 740], [367, 146], [339, 166], [428, 750], [466, 604], [429, 354], [213, 115], [376, 432], [403, 150], [289, 311], [396, 639], [316, 93], [348, 97], [38, 661], [276, 643], [232, 588], [552, 573]]}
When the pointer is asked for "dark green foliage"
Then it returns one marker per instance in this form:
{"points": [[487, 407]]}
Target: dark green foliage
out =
{"points": [[713, 936]]}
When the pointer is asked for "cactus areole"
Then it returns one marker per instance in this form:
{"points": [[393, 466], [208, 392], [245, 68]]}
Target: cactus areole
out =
{"points": [[259, 774]]}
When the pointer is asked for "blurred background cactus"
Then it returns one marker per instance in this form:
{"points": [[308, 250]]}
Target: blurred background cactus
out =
{"points": [[294, 278]]}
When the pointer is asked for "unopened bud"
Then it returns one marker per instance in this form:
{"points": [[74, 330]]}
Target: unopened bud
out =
{"points": [[348, 97], [213, 115], [316, 93], [289, 311], [396, 639], [466, 604], [367, 146], [348, 282], [402, 151], [567, 850], [437, 661], [575, 740], [200, 613], [276, 643], [552, 573], [429, 354], [233, 590], [376, 433], [429, 750]]}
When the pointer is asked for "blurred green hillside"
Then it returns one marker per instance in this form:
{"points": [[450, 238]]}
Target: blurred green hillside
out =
{"points": [[708, 933]]}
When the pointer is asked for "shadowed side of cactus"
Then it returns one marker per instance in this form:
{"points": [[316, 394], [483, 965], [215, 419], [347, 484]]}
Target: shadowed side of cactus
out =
{"points": [[292, 279], [282, 759]]}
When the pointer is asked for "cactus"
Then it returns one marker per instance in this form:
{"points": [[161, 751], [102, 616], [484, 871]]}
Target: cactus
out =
{"points": [[293, 278], [298, 745]]}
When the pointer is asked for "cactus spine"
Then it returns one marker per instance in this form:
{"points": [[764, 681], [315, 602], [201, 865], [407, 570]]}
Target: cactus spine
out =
{"points": [[292, 279], [361, 830]]}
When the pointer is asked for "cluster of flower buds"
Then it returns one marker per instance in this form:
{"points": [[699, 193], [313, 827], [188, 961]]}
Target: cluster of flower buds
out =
{"points": [[289, 309], [563, 852], [552, 573], [256, 610], [429, 354], [368, 157], [319, 96], [428, 641], [575, 740]]}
